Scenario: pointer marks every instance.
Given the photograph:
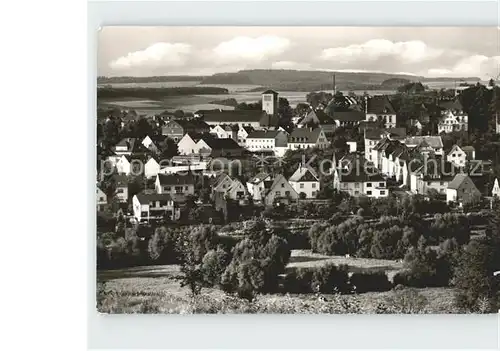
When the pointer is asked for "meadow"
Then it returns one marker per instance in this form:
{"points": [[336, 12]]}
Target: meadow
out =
{"points": [[154, 289]]}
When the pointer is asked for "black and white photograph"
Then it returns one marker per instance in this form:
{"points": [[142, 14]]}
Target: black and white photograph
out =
{"points": [[297, 170]]}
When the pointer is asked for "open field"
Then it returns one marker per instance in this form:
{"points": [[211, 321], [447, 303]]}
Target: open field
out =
{"points": [[154, 289]]}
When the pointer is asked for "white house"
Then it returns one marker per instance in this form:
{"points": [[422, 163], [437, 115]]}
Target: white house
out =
{"points": [[432, 141], [123, 165], [149, 207], [305, 180], [150, 144], [256, 186], [304, 138], [453, 118], [456, 156], [223, 131], [353, 146], [243, 132], [279, 191], [267, 140], [187, 145], [151, 168], [496, 189]]}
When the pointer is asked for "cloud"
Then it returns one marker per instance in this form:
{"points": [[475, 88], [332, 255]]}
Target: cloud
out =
{"points": [[156, 55], [407, 51], [290, 65], [250, 49], [470, 66]]}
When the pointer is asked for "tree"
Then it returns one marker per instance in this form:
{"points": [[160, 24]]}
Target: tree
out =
{"points": [[474, 280]]}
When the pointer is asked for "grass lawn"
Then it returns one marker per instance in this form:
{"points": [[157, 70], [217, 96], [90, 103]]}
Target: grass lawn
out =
{"points": [[153, 289]]}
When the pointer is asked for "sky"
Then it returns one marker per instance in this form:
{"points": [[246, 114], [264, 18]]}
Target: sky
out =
{"points": [[423, 51]]}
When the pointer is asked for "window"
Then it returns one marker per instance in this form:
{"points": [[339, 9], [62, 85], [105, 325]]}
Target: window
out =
{"points": [[186, 187], [356, 185], [429, 183], [313, 194], [302, 185], [287, 193], [368, 185], [356, 192], [119, 191], [441, 183], [267, 97], [314, 185], [382, 192], [278, 193], [369, 192], [381, 185], [282, 185], [167, 188]]}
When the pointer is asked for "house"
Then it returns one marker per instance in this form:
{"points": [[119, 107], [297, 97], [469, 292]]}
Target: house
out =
{"points": [[243, 132], [123, 164], [187, 144], [236, 191], [304, 138], [457, 156], [279, 192], [121, 186], [372, 136], [432, 175], [209, 146], [380, 109], [152, 143], [124, 146], [353, 145], [173, 130], [414, 123], [305, 181], [151, 168], [462, 190], [152, 206], [257, 185], [250, 118], [355, 176], [174, 184], [102, 199], [496, 189], [434, 143], [347, 118], [268, 140], [176, 129], [221, 183], [224, 131], [453, 117], [318, 118]]}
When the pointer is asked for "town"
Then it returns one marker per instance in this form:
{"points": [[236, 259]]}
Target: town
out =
{"points": [[375, 176]]}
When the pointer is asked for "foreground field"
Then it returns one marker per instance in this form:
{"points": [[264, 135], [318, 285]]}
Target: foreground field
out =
{"points": [[154, 289]]}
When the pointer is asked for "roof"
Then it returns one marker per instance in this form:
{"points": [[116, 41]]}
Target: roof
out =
{"points": [[305, 173], [192, 123], [269, 91], [128, 142], [259, 177], [348, 116], [451, 105], [248, 129], [175, 179], [277, 180], [263, 134], [147, 198], [433, 141], [222, 143], [231, 116], [457, 181], [380, 104], [468, 148], [305, 135]]}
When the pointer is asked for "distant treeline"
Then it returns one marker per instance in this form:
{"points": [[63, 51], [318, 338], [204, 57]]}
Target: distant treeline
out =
{"points": [[128, 79], [155, 93]]}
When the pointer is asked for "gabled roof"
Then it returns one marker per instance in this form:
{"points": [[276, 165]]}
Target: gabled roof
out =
{"points": [[247, 129], [380, 104], [451, 105], [278, 179], [304, 174], [431, 140], [219, 144], [457, 181], [263, 134], [258, 178], [454, 148], [232, 116], [305, 135], [145, 199], [175, 179]]}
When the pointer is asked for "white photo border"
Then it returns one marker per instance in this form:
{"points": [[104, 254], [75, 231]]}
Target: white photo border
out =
{"points": [[277, 331]]}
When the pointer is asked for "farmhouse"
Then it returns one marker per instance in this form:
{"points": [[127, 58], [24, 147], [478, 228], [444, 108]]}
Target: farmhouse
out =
{"points": [[257, 185], [268, 140], [462, 190], [280, 192], [304, 138]]}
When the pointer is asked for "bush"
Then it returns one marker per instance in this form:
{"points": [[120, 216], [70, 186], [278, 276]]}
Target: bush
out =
{"points": [[330, 278], [299, 281], [370, 281], [213, 265]]}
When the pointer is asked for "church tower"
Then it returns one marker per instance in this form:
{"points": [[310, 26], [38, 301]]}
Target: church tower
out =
{"points": [[270, 102]]}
